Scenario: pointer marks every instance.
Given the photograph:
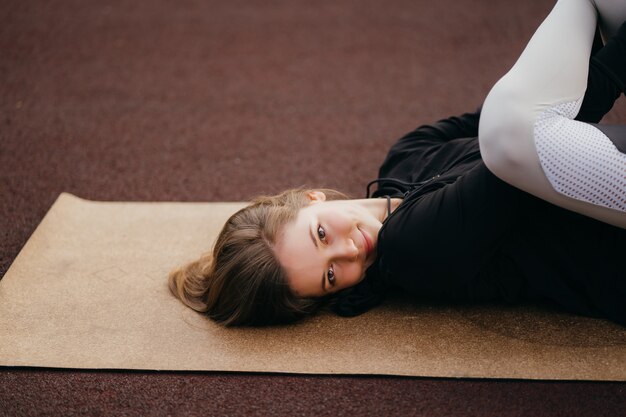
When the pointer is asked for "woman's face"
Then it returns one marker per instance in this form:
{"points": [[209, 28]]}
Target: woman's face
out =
{"points": [[329, 245]]}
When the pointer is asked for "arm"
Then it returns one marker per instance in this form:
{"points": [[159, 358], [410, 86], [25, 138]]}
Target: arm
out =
{"points": [[431, 148], [455, 127]]}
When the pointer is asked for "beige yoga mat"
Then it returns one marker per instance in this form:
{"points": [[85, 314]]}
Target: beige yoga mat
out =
{"points": [[89, 290]]}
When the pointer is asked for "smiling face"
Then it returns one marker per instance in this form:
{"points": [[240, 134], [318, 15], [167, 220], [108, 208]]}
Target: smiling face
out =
{"points": [[330, 244]]}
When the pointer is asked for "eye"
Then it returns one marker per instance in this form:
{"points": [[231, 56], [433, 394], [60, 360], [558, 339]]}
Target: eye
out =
{"points": [[331, 275], [321, 233]]}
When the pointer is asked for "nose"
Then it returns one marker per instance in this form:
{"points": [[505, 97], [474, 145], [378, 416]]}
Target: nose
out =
{"points": [[345, 249]]}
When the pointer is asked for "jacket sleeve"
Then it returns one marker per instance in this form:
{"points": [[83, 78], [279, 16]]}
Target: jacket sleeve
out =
{"points": [[417, 147], [463, 126]]}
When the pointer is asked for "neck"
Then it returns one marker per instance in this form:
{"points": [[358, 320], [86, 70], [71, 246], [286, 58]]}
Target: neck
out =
{"points": [[378, 206]]}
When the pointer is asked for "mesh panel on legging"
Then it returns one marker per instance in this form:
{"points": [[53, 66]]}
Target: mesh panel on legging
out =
{"points": [[578, 159]]}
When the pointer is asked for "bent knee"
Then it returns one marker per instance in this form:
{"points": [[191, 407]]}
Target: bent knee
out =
{"points": [[505, 132]]}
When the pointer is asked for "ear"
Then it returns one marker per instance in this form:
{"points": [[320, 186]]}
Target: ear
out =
{"points": [[316, 196]]}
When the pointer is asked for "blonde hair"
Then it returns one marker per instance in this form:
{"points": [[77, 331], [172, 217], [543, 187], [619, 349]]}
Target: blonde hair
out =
{"points": [[241, 281]]}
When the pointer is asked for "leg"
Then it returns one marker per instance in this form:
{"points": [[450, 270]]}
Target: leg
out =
{"points": [[526, 131]]}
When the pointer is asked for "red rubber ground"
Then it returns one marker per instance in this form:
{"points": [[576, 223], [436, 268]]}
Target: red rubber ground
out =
{"points": [[153, 100]]}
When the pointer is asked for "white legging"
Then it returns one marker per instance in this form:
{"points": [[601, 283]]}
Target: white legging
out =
{"points": [[527, 136]]}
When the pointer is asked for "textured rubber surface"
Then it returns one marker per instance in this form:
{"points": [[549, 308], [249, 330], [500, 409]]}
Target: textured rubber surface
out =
{"points": [[216, 101]]}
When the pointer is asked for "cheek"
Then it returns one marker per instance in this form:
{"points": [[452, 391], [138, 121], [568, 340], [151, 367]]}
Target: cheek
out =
{"points": [[352, 275], [339, 221]]}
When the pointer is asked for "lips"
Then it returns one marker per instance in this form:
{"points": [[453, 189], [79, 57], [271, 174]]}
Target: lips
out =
{"points": [[368, 243]]}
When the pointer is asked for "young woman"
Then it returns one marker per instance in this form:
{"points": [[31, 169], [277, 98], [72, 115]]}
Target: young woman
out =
{"points": [[548, 225]]}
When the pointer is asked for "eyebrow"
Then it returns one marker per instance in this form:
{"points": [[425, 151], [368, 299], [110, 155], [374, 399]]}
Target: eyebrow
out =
{"points": [[323, 272], [313, 237]]}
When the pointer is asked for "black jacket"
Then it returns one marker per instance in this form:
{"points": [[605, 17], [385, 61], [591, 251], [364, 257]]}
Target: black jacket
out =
{"points": [[462, 234]]}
